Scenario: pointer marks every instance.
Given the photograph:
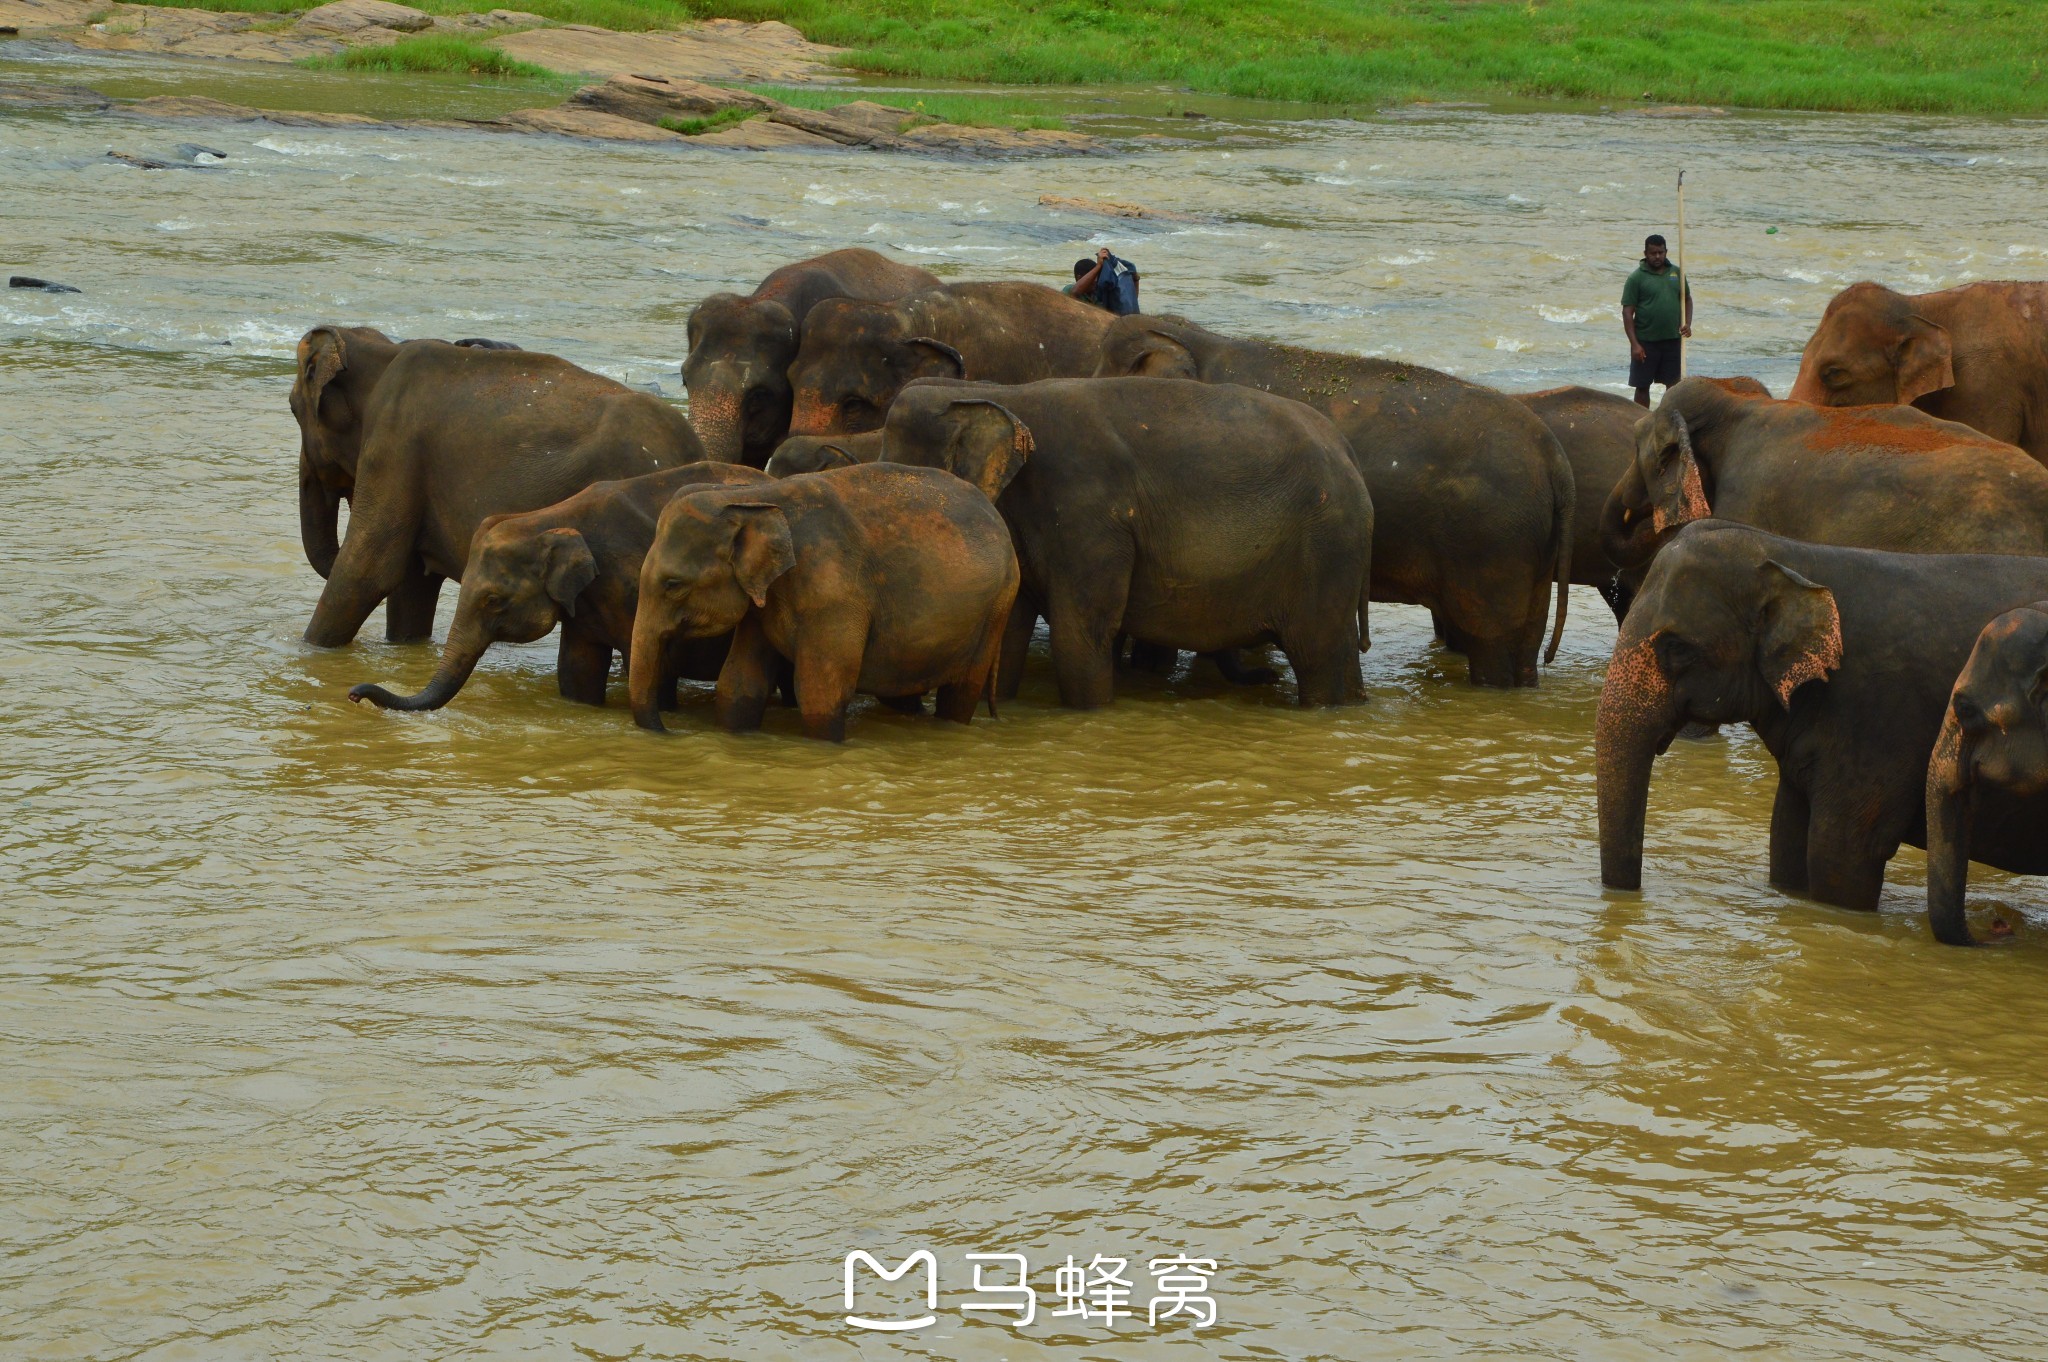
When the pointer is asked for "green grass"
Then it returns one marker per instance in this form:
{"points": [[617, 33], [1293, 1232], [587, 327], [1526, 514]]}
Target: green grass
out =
{"points": [[432, 52], [694, 127], [980, 111]]}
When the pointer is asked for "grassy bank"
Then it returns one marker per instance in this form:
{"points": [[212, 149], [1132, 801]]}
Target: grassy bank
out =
{"points": [[980, 111], [433, 52]]}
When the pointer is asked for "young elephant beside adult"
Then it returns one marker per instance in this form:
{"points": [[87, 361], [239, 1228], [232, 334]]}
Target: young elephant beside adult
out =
{"points": [[1186, 515], [1987, 782], [576, 564], [816, 453], [871, 579], [1864, 477], [1473, 495], [857, 356], [741, 348], [1977, 354], [425, 440], [1842, 660]]}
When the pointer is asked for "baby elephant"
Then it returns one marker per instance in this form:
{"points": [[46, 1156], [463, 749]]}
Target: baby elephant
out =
{"points": [[1987, 784], [873, 578], [576, 563], [816, 453]]}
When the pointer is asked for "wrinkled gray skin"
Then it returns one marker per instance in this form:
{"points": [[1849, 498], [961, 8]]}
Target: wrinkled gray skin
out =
{"points": [[1474, 498], [857, 356], [1987, 782], [741, 348], [816, 453], [1187, 515], [1597, 432], [426, 440], [576, 564]]}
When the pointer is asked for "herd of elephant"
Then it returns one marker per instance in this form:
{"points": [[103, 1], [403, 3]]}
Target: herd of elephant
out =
{"points": [[886, 481]]}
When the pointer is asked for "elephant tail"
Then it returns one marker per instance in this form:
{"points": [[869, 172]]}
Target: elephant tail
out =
{"points": [[1564, 495], [988, 686]]}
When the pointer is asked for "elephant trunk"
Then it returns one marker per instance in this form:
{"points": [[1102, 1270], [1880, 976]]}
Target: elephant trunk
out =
{"points": [[644, 672], [1638, 713], [715, 415], [319, 516], [1628, 533], [810, 416], [465, 648], [1949, 815], [1807, 388]]}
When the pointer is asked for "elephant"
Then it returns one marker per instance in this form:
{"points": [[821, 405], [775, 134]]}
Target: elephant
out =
{"points": [[484, 343], [873, 578], [1841, 659], [737, 371], [1473, 496], [425, 440], [1977, 354], [1987, 782], [1189, 515], [1862, 477], [816, 453], [857, 356], [577, 564]]}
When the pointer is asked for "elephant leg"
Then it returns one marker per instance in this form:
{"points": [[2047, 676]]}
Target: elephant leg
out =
{"points": [[1446, 633], [582, 666], [827, 673], [1154, 659], [1321, 643], [1790, 814], [1083, 622], [1844, 862], [957, 699], [373, 562], [1535, 624], [752, 667], [1235, 671], [1493, 661], [409, 609], [1016, 645]]}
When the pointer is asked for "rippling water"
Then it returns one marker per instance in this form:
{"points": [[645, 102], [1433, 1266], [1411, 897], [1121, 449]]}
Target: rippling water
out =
{"points": [[513, 1031]]}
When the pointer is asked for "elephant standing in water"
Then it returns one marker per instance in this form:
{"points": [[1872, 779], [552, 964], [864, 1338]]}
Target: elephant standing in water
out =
{"points": [[1987, 783], [1473, 498], [425, 440], [1867, 477], [1842, 660], [1977, 354], [741, 348], [576, 564], [857, 356], [873, 579]]}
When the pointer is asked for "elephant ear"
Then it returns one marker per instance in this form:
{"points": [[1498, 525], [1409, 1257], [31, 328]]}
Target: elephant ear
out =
{"points": [[1670, 473], [1925, 362], [569, 567], [761, 547], [833, 456], [1798, 631], [1164, 356], [986, 444], [323, 353], [943, 351]]}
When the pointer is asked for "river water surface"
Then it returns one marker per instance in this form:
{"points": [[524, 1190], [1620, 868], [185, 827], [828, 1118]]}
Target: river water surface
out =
{"points": [[511, 1031]]}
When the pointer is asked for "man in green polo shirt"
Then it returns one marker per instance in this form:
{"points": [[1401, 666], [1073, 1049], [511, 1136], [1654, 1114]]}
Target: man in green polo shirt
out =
{"points": [[1655, 319]]}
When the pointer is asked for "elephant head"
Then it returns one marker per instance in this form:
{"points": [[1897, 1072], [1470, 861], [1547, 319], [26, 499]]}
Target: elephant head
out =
{"points": [[714, 557], [816, 453], [738, 376], [1150, 347], [854, 359], [1721, 633], [1994, 736], [335, 369], [1871, 348], [521, 582], [1662, 490], [975, 439]]}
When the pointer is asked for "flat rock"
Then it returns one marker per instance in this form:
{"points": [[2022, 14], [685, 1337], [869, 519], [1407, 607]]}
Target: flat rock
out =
{"points": [[573, 122], [959, 140], [353, 16], [25, 97], [650, 98], [1112, 208], [847, 132], [717, 49], [759, 134], [199, 106], [35, 16]]}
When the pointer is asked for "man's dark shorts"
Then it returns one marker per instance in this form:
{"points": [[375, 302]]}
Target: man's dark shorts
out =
{"points": [[1660, 367]]}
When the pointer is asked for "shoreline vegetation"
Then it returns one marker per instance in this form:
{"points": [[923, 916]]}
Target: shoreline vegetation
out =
{"points": [[1979, 57]]}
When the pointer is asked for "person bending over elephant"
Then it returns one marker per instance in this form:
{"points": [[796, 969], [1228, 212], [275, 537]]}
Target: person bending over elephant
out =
{"points": [[816, 453], [1183, 514], [1472, 493], [873, 579], [1842, 660], [857, 356], [576, 564], [741, 348], [1987, 782], [425, 440], [1865, 477], [1977, 354]]}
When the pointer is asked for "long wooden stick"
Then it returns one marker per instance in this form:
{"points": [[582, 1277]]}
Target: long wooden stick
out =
{"points": [[1684, 280]]}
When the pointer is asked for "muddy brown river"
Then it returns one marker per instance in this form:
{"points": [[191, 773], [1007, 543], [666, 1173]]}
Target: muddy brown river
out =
{"points": [[511, 1031]]}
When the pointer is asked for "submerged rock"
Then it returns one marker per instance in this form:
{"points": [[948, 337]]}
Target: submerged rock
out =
{"points": [[568, 121], [30, 97], [649, 99], [44, 285]]}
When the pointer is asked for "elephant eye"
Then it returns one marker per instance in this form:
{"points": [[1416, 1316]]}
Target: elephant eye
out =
{"points": [[1835, 378], [1970, 715]]}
